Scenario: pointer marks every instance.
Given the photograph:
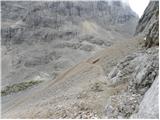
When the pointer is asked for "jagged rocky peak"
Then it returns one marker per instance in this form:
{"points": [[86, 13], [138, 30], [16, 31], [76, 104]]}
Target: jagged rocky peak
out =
{"points": [[148, 24]]}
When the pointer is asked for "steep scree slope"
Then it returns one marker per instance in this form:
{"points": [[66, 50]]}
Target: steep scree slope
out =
{"points": [[40, 39]]}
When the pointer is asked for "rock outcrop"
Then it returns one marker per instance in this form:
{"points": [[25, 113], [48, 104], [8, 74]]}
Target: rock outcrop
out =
{"points": [[140, 71], [149, 106], [148, 25]]}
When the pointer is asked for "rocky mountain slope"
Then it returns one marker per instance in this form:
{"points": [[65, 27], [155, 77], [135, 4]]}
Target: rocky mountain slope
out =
{"points": [[39, 37], [115, 79]]}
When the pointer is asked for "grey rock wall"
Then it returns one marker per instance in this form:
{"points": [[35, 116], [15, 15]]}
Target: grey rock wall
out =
{"points": [[139, 71], [149, 24], [149, 107], [30, 17]]}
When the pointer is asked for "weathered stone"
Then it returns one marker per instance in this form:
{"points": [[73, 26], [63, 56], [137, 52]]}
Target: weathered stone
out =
{"points": [[149, 107], [148, 24]]}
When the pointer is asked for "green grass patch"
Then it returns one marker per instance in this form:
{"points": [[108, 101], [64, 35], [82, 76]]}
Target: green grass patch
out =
{"points": [[18, 87]]}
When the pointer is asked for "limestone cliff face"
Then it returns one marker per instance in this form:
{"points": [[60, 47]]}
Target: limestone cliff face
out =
{"points": [[24, 21], [149, 24], [140, 70]]}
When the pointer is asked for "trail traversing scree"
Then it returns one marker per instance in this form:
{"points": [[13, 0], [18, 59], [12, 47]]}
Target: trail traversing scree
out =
{"points": [[84, 55], [86, 78]]}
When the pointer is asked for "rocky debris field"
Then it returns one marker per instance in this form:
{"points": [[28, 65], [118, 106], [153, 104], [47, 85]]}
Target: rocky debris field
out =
{"points": [[79, 60], [39, 37]]}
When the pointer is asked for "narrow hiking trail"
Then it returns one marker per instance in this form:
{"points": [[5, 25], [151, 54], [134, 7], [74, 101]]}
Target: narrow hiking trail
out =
{"points": [[82, 87]]}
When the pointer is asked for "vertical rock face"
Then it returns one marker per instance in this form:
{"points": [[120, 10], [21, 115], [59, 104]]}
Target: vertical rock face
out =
{"points": [[149, 106], [21, 18], [149, 24], [140, 72]]}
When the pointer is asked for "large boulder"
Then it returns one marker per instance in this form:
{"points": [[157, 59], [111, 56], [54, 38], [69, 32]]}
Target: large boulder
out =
{"points": [[138, 71], [149, 107]]}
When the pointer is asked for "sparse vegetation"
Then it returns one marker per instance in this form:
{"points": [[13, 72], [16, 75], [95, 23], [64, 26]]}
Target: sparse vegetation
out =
{"points": [[18, 87], [97, 87]]}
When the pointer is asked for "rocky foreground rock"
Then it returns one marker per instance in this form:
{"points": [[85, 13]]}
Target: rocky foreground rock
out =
{"points": [[148, 25], [141, 71]]}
